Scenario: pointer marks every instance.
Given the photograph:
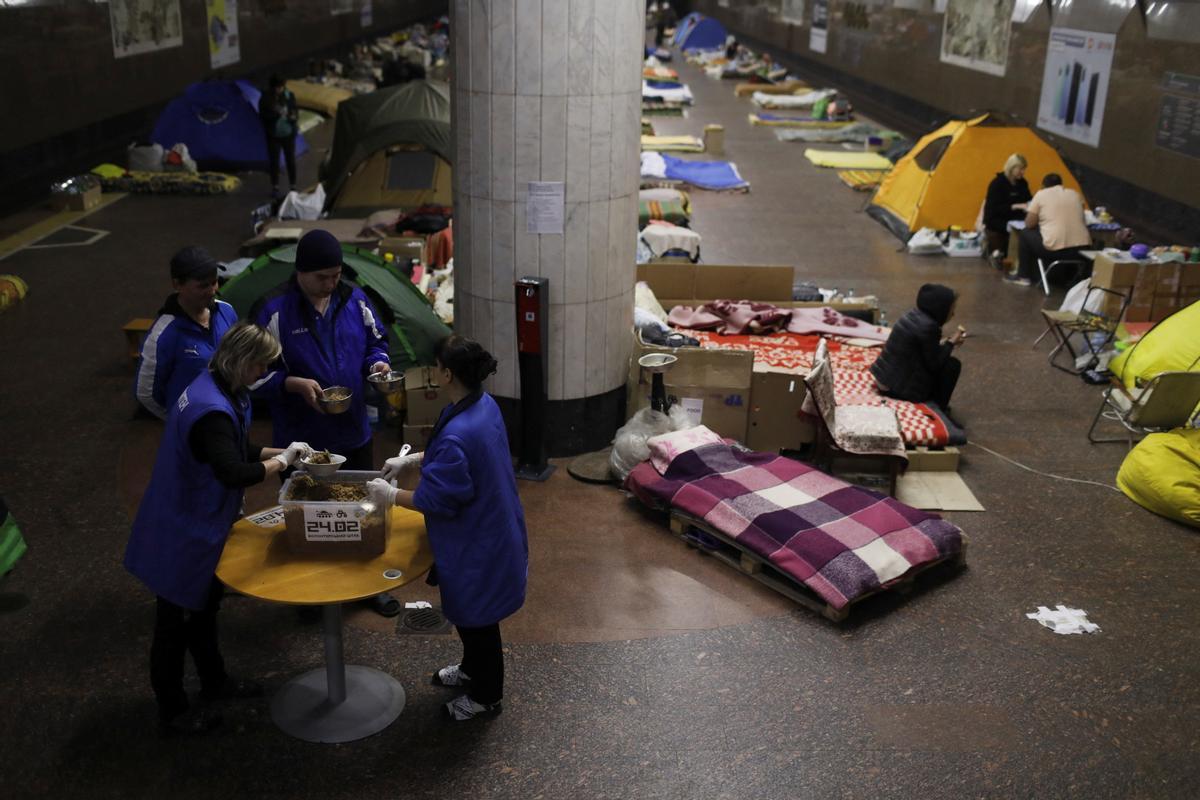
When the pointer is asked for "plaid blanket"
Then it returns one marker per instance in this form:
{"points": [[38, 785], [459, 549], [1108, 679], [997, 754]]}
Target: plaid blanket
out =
{"points": [[839, 540]]}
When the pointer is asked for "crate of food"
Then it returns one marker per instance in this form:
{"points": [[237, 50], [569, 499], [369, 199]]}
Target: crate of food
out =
{"points": [[330, 515]]}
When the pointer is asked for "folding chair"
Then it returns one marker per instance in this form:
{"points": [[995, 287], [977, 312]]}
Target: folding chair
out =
{"points": [[1073, 260], [1062, 325], [1169, 400]]}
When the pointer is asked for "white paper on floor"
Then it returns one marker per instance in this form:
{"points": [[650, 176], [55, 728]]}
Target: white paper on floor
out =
{"points": [[418, 604], [1064, 620]]}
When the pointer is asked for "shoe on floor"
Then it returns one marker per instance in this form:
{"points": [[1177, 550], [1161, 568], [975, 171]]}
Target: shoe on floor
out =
{"points": [[233, 689], [1017, 280], [996, 259], [463, 708], [193, 722], [385, 605], [451, 676]]}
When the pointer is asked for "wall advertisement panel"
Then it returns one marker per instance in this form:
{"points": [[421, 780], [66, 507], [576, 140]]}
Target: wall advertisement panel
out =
{"points": [[818, 35], [223, 46], [143, 26], [975, 34], [1075, 84]]}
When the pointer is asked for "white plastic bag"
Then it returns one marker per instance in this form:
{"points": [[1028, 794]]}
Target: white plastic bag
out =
{"points": [[145, 157], [629, 445], [925, 242], [1073, 301], [303, 205]]}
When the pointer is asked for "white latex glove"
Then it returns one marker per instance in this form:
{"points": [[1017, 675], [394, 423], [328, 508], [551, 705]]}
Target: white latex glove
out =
{"points": [[393, 467], [381, 493], [294, 452]]}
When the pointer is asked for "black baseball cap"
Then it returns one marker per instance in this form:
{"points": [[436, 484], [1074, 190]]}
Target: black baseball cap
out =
{"points": [[194, 263]]}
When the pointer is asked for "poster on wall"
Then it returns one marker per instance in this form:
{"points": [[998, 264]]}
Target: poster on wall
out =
{"points": [[366, 14], [792, 11], [223, 47], [1179, 115], [975, 34], [143, 26], [338, 7], [1075, 84], [818, 35]]}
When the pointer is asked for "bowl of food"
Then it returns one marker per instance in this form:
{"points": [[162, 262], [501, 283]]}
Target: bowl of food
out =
{"points": [[387, 382], [335, 399], [323, 463]]}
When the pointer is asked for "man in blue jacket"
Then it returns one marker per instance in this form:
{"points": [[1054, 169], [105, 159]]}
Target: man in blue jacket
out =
{"points": [[186, 333], [331, 336]]}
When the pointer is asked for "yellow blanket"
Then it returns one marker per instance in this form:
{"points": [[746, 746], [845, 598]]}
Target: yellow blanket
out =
{"points": [[861, 180], [771, 120], [684, 144], [847, 159]]}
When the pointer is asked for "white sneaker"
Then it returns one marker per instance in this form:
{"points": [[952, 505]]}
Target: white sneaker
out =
{"points": [[463, 708], [451, 676]]}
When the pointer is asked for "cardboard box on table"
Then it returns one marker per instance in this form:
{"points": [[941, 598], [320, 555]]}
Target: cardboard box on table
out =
{"points": [[404, 247], [1156, 289], [66, 201]]}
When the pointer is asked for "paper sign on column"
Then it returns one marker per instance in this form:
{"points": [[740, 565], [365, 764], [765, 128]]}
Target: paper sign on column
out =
{"points": [[693, 407], [544, 207]]}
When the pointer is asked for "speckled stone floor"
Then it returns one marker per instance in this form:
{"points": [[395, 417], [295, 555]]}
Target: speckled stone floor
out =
{"points": [[639, 668]]}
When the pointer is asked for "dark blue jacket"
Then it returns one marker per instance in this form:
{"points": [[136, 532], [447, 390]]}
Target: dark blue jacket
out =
{"points": [[186, 513], [913, 357], [176, 351], [476, 525], [335, 349]]}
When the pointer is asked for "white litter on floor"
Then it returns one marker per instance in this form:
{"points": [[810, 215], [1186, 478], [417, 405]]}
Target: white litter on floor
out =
{"points": [[1064, 620]]}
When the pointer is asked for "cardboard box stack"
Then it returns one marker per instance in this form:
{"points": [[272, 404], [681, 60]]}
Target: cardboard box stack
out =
{"points": [[1156, 288], [424, 403]]}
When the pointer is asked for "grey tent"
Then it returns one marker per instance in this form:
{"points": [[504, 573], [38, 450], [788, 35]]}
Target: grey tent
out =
{"points": [[391, 149]]}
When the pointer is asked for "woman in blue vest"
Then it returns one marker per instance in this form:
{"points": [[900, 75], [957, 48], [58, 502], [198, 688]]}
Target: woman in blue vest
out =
{"points": [[468, 494], [204, 463]]}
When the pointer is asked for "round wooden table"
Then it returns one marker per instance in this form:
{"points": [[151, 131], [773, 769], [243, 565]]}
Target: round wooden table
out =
{"points": [[338, 703]]}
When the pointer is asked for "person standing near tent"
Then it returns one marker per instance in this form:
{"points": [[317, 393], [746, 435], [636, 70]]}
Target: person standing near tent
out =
{"points": [[917, 363], [1055, 228], [330, 335], [204, 464], [1007, 200], [279, 115], [468, 494], [185, 335]]}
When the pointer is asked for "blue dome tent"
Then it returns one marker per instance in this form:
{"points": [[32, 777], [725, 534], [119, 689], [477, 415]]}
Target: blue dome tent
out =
{"points": [[685, 27], [218, 121], [705, 33]]}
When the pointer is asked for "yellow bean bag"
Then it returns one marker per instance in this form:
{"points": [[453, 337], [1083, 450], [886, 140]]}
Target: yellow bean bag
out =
{"points": [[1170, 346], [1163, 474], [12, 291]]}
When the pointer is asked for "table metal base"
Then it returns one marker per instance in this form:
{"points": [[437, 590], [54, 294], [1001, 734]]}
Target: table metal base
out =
{"points": [[303, 709], [337, 703]]}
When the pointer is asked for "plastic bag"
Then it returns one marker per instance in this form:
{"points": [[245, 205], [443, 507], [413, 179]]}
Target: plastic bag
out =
{"points": [[629, 445], [145, 157], [178, 159], [1073, 301], [925, 242], [303, 205]]}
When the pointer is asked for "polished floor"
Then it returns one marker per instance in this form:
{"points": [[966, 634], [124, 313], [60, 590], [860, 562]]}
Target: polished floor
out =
{"points": [[639, 668]]}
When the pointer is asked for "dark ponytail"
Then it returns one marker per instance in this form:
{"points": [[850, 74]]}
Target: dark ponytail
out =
{"points": [[466, 360]]}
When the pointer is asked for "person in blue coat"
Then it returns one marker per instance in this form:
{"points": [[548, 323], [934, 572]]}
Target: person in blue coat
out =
{"points": [[331, 336], [468, 494], [204, 463], [185, 333]]}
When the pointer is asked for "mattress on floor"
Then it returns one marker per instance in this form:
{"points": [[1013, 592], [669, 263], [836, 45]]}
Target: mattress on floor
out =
{"points": [[847, 159], [839, 540], [792, 121]]}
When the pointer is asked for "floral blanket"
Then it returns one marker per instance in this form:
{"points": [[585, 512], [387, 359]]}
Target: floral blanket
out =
{"points": [[840, 541]]}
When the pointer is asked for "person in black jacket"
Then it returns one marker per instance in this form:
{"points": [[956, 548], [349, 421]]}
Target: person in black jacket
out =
{"points": [[280, 121], [916, 363], [1007, 198]]}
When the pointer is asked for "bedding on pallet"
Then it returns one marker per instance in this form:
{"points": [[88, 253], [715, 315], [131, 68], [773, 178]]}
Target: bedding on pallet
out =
{"points": [[840, 541], [714, 175], [921, 424], [857, 132], [784, 120], [744, 316], [847, 159], [805, 100], [671, 93], [678, 144]]}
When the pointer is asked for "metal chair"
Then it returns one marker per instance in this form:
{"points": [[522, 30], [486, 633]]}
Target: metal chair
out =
{"points": [[1110, 308], [1169, 400], [1072, 259]]}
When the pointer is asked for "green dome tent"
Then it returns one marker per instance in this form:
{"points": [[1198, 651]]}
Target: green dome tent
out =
{"points": [[413, 329]]}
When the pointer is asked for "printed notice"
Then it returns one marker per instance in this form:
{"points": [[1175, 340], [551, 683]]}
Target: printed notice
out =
{"points": [[693, 407], [341, 522], [271, 518], [544, 208]]}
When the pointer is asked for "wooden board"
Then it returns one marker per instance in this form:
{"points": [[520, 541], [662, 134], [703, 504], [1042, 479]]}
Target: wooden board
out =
{"points": [[737, 556]]}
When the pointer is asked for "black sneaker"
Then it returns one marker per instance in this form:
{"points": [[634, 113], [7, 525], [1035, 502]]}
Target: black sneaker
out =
{"points": [[193, 722], [233, 689]]}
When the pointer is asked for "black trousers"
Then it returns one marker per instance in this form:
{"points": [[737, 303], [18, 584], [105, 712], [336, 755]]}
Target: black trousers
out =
{"points": [[483, 662], [288, 146], [1032, 248], [177, 631], [946, 381]]}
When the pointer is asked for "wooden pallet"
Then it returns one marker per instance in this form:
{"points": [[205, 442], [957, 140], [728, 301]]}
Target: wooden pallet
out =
{"points": [[739, 557]]}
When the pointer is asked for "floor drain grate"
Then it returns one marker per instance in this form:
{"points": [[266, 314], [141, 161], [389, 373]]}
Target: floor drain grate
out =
{"points": [[423, 620]]}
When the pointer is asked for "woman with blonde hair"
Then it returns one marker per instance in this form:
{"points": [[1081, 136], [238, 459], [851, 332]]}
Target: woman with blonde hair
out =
{"points": [[1008, 196], [204, 463]]}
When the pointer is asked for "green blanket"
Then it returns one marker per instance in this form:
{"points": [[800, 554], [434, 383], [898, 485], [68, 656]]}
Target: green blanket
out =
{"points": [[669, 210], [12, 546]]}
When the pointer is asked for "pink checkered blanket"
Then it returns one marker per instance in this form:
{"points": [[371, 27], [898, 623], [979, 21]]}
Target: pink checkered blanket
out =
{"points": [[839, 540]]}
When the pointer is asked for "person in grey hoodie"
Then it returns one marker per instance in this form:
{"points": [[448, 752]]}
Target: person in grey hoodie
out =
{"points": [[917, 362]]}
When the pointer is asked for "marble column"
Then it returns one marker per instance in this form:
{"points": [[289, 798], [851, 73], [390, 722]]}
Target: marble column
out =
{"points": [[550, 90]]}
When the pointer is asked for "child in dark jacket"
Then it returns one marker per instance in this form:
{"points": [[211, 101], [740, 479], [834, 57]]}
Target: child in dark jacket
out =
{"points": [[916, 363]]}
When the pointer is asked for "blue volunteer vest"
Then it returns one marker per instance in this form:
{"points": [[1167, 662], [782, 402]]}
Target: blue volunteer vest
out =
{"points": [[186, 513]]}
